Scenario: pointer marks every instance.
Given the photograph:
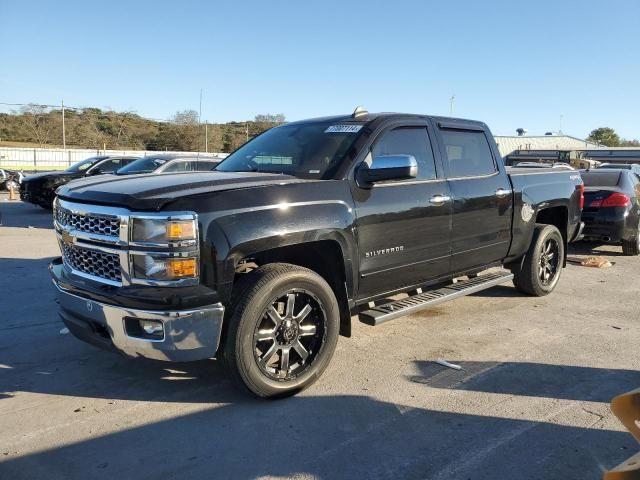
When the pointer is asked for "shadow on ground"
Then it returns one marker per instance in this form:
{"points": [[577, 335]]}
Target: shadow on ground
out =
{"points": [[332, 437], [530, 379], [322, 436], [590, 248]]}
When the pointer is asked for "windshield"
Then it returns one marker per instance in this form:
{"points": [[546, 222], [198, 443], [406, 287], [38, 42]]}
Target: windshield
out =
{"points": [[143, 165], [83, 164], [308, 150]]}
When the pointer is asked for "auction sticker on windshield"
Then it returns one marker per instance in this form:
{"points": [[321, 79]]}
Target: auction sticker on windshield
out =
{"points": [[343, 129]]}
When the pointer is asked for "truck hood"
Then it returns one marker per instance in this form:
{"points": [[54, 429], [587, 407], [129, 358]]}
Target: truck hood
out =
{"points": [[153, 192]]}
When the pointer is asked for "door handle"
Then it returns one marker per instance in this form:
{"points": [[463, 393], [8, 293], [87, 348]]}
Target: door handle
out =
{"points": [[501, 192], [438, 200]]}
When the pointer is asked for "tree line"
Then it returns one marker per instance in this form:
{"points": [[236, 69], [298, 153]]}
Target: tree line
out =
{"points": [[608, 137], [97, 128]]}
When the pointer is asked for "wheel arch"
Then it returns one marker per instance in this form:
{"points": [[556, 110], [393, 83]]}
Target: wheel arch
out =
{"points": [[557, 216], [325, 257]]}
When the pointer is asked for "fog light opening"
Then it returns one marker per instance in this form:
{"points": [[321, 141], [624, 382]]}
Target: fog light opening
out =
{"points": [[144, 329]]}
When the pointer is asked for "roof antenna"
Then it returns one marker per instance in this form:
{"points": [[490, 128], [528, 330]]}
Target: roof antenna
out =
{"points": [[359, 112]]}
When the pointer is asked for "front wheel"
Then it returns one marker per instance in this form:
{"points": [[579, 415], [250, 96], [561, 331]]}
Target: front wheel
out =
{"points": [[283, 330], [539, 271]]}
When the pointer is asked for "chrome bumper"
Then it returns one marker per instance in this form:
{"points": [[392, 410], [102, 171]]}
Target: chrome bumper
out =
{"points": [[188, 334]]}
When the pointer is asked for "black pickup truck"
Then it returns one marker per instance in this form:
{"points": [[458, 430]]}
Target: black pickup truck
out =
{"points": [[264, 262]]}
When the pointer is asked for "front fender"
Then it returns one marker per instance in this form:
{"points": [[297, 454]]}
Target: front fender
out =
{"points": [[237, 233]]}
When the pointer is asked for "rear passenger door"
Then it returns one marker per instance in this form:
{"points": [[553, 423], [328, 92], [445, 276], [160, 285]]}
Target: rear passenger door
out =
{"points": [[482, 197], [403, 225]]}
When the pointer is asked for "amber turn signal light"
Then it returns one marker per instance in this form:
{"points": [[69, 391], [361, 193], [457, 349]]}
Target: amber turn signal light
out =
{"points": [[181, 267], [181, 230]]}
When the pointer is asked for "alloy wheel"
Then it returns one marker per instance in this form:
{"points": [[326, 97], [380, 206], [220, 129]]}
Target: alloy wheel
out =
{"points": [[548, 265], [290, 335]]}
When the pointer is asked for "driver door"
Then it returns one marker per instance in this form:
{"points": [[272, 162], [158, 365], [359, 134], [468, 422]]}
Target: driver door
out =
{"points": [[403, 227]]}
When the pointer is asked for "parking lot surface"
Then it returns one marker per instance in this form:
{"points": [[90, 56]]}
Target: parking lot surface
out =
{"points": [[531, 401]]}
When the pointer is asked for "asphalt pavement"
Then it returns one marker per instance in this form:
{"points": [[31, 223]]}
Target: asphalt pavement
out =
{"points": [[531, 400]]}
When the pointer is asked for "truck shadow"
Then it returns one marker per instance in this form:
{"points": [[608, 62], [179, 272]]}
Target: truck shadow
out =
{"points": [[589, 248], [530, 379], [500, 291], [336, 437]]}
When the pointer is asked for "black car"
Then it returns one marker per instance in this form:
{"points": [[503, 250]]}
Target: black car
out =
{"points": [[169, 163], [40, 188], [612, 207]]}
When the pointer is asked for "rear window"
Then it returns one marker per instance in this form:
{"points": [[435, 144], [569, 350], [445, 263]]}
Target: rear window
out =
{"points": [[467, 153], [620, 167], [601, 179]]}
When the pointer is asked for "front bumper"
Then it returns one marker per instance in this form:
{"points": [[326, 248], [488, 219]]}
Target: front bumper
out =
{"points": [[188, 334]]}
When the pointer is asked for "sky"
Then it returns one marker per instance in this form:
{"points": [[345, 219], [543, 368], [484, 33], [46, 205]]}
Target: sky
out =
{"points": [[540, 65]]}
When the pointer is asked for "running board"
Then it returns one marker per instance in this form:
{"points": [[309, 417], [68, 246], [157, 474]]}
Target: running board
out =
{"points": [[414, 303]]}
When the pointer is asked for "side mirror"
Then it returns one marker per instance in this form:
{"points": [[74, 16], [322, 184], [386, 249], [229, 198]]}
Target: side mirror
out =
{"points": [[387, 167]]}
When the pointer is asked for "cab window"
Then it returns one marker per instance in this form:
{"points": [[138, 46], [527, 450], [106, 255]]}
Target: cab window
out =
{"points": [[408, 141], [467, 153], [107, 166], [179, 166], [205, 165]]}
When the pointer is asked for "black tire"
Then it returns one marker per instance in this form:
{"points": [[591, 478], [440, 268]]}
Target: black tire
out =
{"points": [[631, 247], [538, 273], [256, 298]]}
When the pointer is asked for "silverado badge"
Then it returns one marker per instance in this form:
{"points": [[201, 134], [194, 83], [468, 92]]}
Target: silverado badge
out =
{"points": [[383, 251]]}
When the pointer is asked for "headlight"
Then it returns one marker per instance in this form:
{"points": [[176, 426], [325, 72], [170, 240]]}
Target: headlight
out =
{"points": [[162, 268], [163, 230], [166, 250]]}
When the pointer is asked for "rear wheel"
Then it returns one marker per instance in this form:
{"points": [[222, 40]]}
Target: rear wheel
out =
{"points": [[632, 246], [283, 330], [540, 269]]}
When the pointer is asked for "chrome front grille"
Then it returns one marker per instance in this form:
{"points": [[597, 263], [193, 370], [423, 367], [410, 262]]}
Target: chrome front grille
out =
{"points": [[95, 244], [92, 262], [108, 225]]}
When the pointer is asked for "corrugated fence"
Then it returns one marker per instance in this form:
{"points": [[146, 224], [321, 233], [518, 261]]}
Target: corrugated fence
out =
{"points": [[60, 159]]}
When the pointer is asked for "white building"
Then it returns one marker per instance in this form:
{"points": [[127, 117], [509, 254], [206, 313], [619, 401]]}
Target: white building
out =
{"points": [[508, 144]]}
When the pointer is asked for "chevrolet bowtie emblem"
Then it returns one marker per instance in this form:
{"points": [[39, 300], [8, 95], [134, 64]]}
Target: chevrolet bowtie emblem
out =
{"points": [[67, 238]]}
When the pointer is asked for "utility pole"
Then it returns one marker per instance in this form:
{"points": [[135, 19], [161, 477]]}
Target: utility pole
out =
{"points": [[64, 134], [560, 131], [451, 102], [200, 122], [206, 136]]}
